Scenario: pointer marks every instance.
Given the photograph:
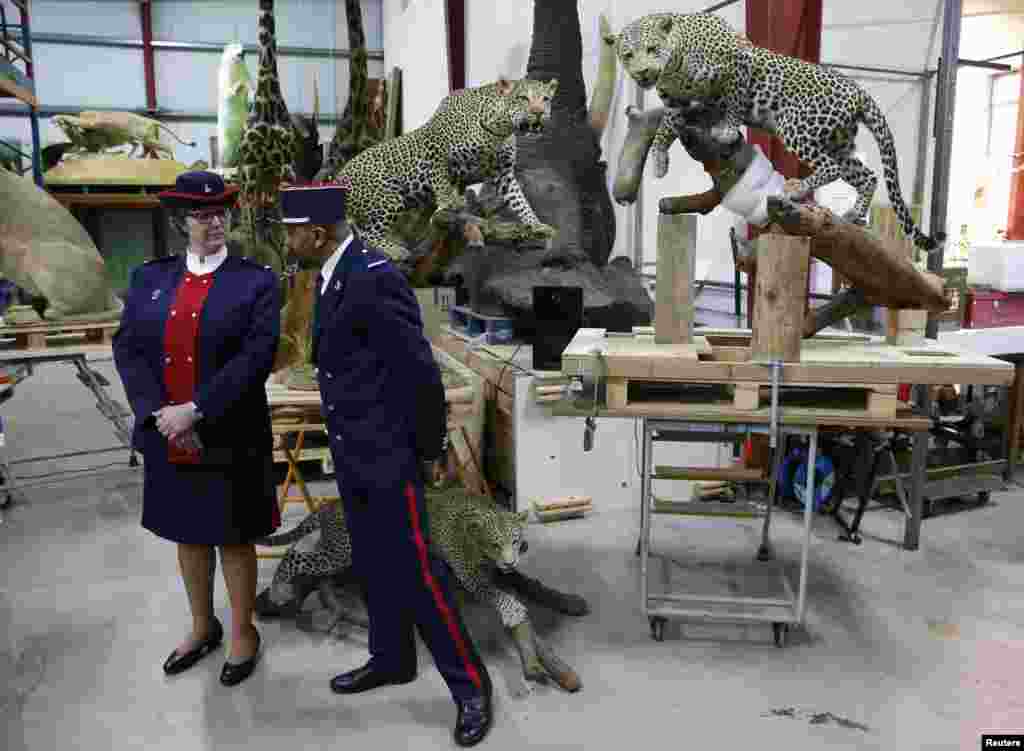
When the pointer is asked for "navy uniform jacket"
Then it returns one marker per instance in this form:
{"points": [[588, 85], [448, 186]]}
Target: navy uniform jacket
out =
{"points": [[383, 397], [231, 497]]}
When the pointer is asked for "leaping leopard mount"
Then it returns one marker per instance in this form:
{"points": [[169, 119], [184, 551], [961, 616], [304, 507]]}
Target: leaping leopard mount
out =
{"points": [[714, 81], [480, 541]]}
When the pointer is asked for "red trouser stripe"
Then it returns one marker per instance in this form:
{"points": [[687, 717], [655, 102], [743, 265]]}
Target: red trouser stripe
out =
{"points": [[435, 590]]}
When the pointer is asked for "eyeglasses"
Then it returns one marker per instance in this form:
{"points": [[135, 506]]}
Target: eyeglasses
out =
{"points": [[205, 216]]}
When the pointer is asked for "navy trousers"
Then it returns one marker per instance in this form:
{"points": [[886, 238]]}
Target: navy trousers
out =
{"points": [[406, 586]]}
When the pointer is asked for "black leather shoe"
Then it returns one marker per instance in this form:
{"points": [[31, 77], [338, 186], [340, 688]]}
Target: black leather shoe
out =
{"points": [[176, 663], [367, 678], [232, 674], [475, 718]]}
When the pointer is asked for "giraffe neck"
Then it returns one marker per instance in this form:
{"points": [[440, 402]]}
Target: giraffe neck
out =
{"points": [[269, 106]]}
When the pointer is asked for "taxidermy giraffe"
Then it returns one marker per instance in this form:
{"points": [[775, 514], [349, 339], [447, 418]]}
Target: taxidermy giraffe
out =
{"points": [[356, 132], [267, 149]]}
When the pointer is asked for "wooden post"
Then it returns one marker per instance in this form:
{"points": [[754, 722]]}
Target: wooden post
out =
{"points": [[782, 271], [677, 252]]}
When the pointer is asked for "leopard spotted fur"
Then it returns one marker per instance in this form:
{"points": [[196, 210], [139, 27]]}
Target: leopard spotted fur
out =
{"points": [[469, 139], [697, 61]]}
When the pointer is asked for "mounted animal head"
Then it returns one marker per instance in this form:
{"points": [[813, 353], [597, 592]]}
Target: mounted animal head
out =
{"points": [[522, 106]]}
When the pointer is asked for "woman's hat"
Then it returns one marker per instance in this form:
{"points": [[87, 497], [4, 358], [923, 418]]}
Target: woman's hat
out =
{"points": [[196, 190]]}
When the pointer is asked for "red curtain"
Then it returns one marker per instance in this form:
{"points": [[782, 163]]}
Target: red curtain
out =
{"points": [[1015, 222], [792, 27]]}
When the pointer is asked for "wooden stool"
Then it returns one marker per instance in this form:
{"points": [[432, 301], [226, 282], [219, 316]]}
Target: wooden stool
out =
{"points": [[293, 456]]}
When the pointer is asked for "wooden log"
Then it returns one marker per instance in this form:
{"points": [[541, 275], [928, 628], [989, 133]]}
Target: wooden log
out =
{"points": [[845, 304], [677, 251], [874, 266], [779, 297]]}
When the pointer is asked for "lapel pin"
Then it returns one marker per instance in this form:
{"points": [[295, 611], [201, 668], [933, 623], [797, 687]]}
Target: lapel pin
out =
{"points": [[156, 294]]}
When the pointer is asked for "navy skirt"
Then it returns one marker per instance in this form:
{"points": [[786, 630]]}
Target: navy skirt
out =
{"points": [[228, 503]]}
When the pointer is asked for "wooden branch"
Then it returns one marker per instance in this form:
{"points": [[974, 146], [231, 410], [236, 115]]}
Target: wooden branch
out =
{"points": [[880, 271]]}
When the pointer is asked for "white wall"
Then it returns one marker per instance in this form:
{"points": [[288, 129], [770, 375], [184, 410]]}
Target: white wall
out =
{"points": [[415, 40], [498, 38]]}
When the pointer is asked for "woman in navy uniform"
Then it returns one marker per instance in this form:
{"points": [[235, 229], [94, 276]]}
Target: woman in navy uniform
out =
{"points": [[194, 350], [384, 405]]}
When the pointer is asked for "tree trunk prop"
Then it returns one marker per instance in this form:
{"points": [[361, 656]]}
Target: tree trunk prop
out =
{"points": [[564, 179], [879, 270]]}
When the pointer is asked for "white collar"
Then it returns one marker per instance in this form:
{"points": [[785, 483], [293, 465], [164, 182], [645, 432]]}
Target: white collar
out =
{"points": [[207, 265], [327, 270]]}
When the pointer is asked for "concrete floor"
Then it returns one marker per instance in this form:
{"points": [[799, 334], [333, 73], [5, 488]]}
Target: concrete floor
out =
{"points": [[915, 650]]}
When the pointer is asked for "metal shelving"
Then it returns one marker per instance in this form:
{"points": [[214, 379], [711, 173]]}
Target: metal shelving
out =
{"points": [[15, 50]]}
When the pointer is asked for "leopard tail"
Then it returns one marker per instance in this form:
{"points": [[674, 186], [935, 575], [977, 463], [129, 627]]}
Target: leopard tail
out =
{"points": [[307, 526], [873, 117]]}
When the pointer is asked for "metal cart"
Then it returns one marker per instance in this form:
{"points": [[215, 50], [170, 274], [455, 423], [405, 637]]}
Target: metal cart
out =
{"points": [[780, 612]]}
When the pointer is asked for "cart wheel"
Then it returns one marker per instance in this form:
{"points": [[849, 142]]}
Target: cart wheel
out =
{"points": [[658, 629], [781, 630]]}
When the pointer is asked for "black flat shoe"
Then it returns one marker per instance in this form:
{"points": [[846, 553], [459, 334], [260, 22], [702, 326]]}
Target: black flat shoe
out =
{"points": [[367, 678], [176, 663], [232, 674], [475, 719]]}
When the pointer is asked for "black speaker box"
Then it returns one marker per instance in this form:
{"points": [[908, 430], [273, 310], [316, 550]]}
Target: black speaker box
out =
{"points": [[558, 315]]}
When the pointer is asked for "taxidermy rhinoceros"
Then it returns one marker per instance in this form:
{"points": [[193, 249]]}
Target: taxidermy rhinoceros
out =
{"points": [[46, 252]]}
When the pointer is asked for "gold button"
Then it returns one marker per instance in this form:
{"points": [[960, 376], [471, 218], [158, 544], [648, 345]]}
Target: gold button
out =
{"points": [[194, 315]]}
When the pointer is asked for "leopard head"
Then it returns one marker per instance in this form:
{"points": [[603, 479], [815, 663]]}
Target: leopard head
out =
{"points": [[642, 47], [499, 536], [522, 106]]}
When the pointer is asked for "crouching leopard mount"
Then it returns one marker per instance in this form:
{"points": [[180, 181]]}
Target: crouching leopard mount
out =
{"points": [[698, 61], [471, 138], [481, 543]]}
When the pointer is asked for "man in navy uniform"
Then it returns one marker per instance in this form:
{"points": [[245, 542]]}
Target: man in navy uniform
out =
{"points": [[384, 405]]}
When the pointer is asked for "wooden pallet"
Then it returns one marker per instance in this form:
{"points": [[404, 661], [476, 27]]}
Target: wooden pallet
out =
{"points": [[37, 336], [873, 400]]}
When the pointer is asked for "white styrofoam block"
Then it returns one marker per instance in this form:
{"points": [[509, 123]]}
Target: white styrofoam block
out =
{"points": [[996, 264]]}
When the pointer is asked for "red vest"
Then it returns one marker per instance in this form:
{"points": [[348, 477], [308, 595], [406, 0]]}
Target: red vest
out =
{"points": [[181, 350]]}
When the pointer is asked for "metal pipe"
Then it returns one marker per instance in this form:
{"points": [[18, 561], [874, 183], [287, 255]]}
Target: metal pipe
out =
{"points": [[1002, 57], [88, 40], [146, 18], [917, 197], [946, 87], [871, 69], [985, 64], [719, 6], [10, 110]]}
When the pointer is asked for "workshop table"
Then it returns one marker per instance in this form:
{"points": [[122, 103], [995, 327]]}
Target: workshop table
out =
{"points": [[706, 422]]}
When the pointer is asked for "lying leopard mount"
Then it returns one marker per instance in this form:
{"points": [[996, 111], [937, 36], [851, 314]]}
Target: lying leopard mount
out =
{"points": [[95, 132], [480, 541]]}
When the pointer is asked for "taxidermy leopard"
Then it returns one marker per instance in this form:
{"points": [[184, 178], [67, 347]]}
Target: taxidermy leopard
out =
{"points": [[470, 138], [480, 541], [697, 61]]}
